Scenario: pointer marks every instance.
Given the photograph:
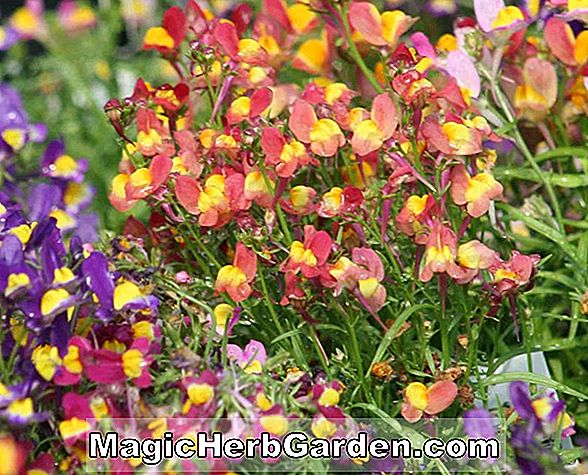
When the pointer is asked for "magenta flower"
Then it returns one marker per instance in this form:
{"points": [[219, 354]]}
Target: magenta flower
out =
{"points": [[251, 358]]}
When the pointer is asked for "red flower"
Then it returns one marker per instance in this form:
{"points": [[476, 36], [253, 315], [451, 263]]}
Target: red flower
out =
{"points": [[167, 38], [309, 257], [286, 157]]}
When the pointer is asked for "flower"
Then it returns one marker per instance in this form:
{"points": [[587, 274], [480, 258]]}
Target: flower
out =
{"points": [[108, 366], [287, 157], [568, 48], [479, 423], [200, 393], [28, 21], [542, 413], [74, 17], [538, 91], [8, 37], [235, 279], [420, 399], [309, 257], [476, 192], [494, 16], [247, 108], [323, 135], [15, 129], [167, 38], [369, 134], [215, 201], [440, 254], [379, 30], [361, 275], [251, 358]]}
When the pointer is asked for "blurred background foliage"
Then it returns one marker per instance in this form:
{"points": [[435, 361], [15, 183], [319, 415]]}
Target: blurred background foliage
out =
{"points": [[66, 76]]}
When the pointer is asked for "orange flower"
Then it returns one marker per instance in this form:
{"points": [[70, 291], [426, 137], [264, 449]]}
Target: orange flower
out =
{"points": [[413, 216], [311, 256], [287, 157], [569, 49], [538, 91], [167, 38], [369, 135], [235, 279], [127, 189], [441, 253], [247, 108], [215, 201], [323, 135], [420, 399], [456, 136], [476, 192], [379, 30]]}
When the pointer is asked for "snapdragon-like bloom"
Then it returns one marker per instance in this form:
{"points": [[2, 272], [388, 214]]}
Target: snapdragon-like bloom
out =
{"points": [[538, 92], [369, 134], [287, 157], [475, 192], [379, 29], [236, 279], [248, 108], [420, 399], [309, 257], [15, 129], [215, 200], [251, 358], [494, 17], [167, 38], [363, 276], [323, 135]]}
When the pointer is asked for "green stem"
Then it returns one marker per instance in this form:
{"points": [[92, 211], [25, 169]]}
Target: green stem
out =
{"points": [[444, 339], [355, 353], [353, 51], [269, 303]]}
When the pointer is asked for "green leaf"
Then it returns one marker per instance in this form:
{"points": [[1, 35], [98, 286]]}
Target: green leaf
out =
{"points": [[532, 378], [564, 180], [562, 152], [560, 278], [569, 456], [541, 228], [393, 330]]}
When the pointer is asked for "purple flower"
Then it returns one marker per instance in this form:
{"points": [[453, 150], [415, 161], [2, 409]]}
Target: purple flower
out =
{"points": [[95, 270], [57, 164], [15, 129], [14, 121], [8, 37], [43, 198], [479, 423], [520, 398]]}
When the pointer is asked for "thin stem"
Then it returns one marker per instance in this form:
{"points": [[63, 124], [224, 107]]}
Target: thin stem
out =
{"points": [[269, 303], [355, 353], [443, 328], [353, 51]]}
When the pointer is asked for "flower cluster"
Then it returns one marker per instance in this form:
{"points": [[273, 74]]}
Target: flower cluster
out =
{"points": [[423, 142], [69, 316]]}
